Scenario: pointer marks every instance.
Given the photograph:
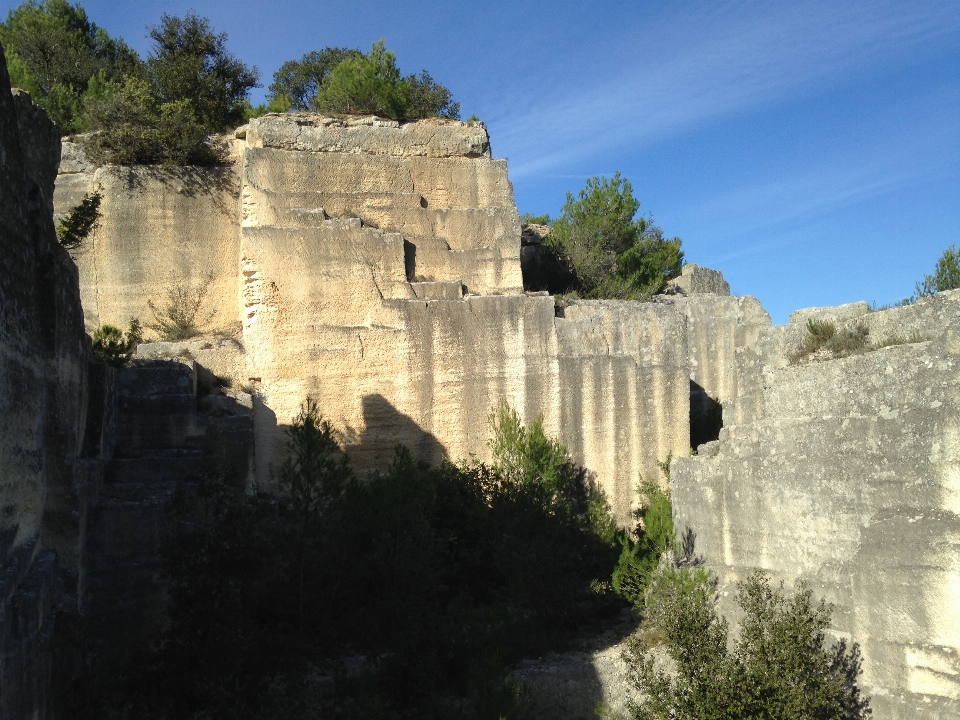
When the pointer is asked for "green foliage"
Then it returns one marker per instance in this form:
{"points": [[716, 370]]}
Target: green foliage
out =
{"points": [[190, 64], [178, 318], [297, 82], [276, 104], [115, 347], [136, 128], [613, 254], [368, 84], [779, 667], [372, 84], [946, 276], [53, 49], [654, 534], [435, 579], [529, 219], [897, 339], [427, 98], [77, 224], [822, 335]]}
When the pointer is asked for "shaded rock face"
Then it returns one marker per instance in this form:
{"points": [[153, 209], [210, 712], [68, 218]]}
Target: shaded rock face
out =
{"points": [[843, 473], [53, 412]]}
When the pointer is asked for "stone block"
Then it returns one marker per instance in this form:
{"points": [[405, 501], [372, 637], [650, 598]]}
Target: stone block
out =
{"points": [[697, 280]]}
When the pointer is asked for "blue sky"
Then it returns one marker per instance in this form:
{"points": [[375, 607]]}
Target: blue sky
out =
{"points": [[809, 150]]}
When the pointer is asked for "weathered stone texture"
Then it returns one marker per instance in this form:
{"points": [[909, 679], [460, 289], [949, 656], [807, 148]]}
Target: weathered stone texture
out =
{"points": [[434, 182], [843, 473], [160, 227], [381, 276], [307, 132], [697, 280], [51, 411]]}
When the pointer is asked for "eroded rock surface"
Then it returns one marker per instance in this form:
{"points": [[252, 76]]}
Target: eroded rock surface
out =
{"points": [[843, 473]]}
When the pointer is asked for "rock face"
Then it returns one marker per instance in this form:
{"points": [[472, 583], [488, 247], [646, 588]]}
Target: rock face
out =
{"points": [[843, 473], [376, 267], [53, 409], [162, 228], [696, 280]]}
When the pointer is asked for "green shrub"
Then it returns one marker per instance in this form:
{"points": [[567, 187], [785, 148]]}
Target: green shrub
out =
{"points": [[529, 219], [896, 339], [613, 254], [190, 64], [297, 82], [368, 84], [779, 667], [179, 318], [653, 535], [946, 276], [823, 335], [77, 224], [135, 128], [439, 577], [372, 84], [115, 347], [427, 98]]}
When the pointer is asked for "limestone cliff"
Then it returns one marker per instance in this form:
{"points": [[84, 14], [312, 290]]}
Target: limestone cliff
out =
{"points": [[375, 266], [53, 410], [844, 473]]}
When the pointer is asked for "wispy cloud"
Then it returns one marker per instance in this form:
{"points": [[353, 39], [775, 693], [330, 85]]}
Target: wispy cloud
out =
{"points": [[889, 160], [683, 73]]}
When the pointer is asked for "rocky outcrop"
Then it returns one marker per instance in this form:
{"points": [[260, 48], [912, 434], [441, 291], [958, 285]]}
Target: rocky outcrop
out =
{"points": [[54, 407], [843, 473], [165, 437]]}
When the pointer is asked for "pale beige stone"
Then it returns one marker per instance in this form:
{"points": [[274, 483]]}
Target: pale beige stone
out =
{"points": [[369, 135], [159, 227]]}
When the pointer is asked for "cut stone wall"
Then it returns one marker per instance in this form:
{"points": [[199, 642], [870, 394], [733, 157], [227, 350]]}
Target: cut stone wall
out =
{"points": [[434, 181], [53, 412], [381, 276], [160, 228], [844, 473]]}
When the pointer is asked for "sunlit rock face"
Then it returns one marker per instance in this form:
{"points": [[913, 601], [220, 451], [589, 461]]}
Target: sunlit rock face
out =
{"points": [[375, 266], [844, 473]]}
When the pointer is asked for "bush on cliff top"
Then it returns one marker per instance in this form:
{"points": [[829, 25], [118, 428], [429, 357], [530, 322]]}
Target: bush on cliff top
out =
{"points": [[946, 275], [372, 84], [53, 50], [161, 110], [610, 252]]}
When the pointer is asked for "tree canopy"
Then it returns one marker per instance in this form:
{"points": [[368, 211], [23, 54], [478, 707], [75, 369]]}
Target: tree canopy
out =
{"points": [[613, 253], [53, 50], [161, 110], [297, 81], [190, 62], [341, 80]]}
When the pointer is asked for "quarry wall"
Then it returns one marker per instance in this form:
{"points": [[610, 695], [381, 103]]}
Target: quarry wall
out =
{"points": [[376, 267], [53, 413], [843, 473]]}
